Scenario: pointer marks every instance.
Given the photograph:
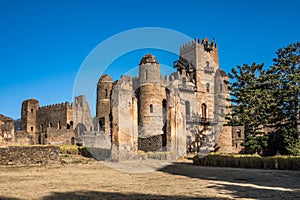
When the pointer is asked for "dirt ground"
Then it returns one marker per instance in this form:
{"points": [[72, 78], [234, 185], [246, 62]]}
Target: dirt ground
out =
{"points": [[88, 179]]}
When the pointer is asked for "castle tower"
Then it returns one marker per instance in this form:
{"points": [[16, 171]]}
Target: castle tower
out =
{"points": [[151, 101], [103, 110], [203, 63], [29, 117]]}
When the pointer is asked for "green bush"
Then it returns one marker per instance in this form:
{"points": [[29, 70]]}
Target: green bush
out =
{"points": [[249, 161]]}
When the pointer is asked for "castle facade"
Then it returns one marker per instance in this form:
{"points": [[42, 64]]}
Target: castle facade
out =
{"points": [[179, 113]]}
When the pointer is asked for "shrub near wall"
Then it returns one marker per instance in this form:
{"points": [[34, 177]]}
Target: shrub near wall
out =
{"points": [[249, 161]]}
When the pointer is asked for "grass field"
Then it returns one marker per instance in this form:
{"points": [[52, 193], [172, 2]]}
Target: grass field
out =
{"points": [[83, 178]]}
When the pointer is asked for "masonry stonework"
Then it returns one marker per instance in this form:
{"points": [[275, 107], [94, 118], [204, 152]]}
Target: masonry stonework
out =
{"points": [[183, 112]]}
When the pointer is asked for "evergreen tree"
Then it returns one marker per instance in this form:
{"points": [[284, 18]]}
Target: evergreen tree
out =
{"points": [[249, 99], [284, 80], [266, 103]]}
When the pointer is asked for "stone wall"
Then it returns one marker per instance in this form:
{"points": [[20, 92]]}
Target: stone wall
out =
{"points": [[153, 143], [7, 133], [124, 120], [26, 155], [28, 116], [59, 136], [95, 139], [103, 111], [57, 116], [81, 115]]}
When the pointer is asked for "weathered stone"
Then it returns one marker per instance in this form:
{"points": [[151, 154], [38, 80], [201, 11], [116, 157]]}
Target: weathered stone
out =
{"points": [[26, 155]]}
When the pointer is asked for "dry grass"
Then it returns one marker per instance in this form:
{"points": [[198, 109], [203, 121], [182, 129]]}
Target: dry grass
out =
{"points": [[83, 178]]}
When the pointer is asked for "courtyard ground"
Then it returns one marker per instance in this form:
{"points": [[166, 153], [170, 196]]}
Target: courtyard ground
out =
{"points": [[81, 178]]}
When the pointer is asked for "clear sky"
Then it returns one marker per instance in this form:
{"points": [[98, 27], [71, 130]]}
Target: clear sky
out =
{"points": [[43, 43]]}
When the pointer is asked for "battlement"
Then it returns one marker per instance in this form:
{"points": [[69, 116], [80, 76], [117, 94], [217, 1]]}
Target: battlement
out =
{"points": [[205, 44], [57, 106]]}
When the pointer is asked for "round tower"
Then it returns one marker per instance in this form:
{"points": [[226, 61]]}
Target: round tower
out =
{"points": [[151, 96], [104, 89], [28, 116]]}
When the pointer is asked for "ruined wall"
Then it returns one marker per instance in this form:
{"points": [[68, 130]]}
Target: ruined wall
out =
{"points": [[55, 136], [238, 136], [7, 133], [29, 116], [175, 123], [224, 133], [25, 155], [103, 111], [82, 119], [96, 139], [124, 120], [57, 116], [151, 143]]}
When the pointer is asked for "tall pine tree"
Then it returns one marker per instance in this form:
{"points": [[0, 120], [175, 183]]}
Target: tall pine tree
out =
{"points": [[284, 79], [266, 103], [249, 100]]}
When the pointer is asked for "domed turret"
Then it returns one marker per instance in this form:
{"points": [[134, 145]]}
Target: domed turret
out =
{"points": [[149, 70], [148, 58], [104, 78]]}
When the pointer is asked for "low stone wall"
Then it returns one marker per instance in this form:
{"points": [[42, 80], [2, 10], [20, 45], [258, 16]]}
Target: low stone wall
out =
{"points": [[153, 143], [27, 155]]}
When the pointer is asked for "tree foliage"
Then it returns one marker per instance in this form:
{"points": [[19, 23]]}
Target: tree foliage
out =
{"points": [[266, 103]]}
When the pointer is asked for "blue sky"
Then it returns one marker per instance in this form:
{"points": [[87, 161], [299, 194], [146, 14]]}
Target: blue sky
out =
{"points": [[43, 43]]}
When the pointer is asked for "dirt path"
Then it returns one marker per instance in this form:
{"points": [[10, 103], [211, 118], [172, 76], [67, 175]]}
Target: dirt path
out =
{"points": [[94, 180]]}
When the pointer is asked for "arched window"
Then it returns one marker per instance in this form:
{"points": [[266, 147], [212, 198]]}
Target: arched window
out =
{"points": [[239, 133], [151, 108], [31, 128], [146, 75], [187, 110], [59, 125], [31, 110], [207, 87], [204, 110], [164, 110], [184, 82], [106, 93], [207, 64]]}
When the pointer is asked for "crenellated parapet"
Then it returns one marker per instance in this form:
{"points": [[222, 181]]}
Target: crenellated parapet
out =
{"points": [[204, 43], [58, 106]]}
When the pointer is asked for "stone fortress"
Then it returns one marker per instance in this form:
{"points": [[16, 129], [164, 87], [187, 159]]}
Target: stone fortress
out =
{"points": [[179, 113]]}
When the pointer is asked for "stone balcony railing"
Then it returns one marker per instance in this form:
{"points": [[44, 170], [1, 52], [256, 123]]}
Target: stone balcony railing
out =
{"points": [[201, 120], [188, 88]]}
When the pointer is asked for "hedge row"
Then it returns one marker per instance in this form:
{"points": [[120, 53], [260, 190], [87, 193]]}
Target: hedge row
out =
{"points": [[249, 161]]}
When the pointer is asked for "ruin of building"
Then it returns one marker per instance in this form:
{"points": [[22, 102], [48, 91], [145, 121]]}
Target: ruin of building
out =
{"points": [[179, 113]]}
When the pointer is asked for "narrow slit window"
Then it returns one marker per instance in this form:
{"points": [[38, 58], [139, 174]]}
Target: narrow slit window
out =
{"points": [[207, 87]]}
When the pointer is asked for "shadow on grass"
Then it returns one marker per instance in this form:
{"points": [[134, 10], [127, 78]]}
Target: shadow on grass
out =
{"points": [[243, 183], [91, 195]]}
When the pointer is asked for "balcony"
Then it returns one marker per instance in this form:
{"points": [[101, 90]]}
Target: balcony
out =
{"points": [[201, 120], [187, 88]]}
